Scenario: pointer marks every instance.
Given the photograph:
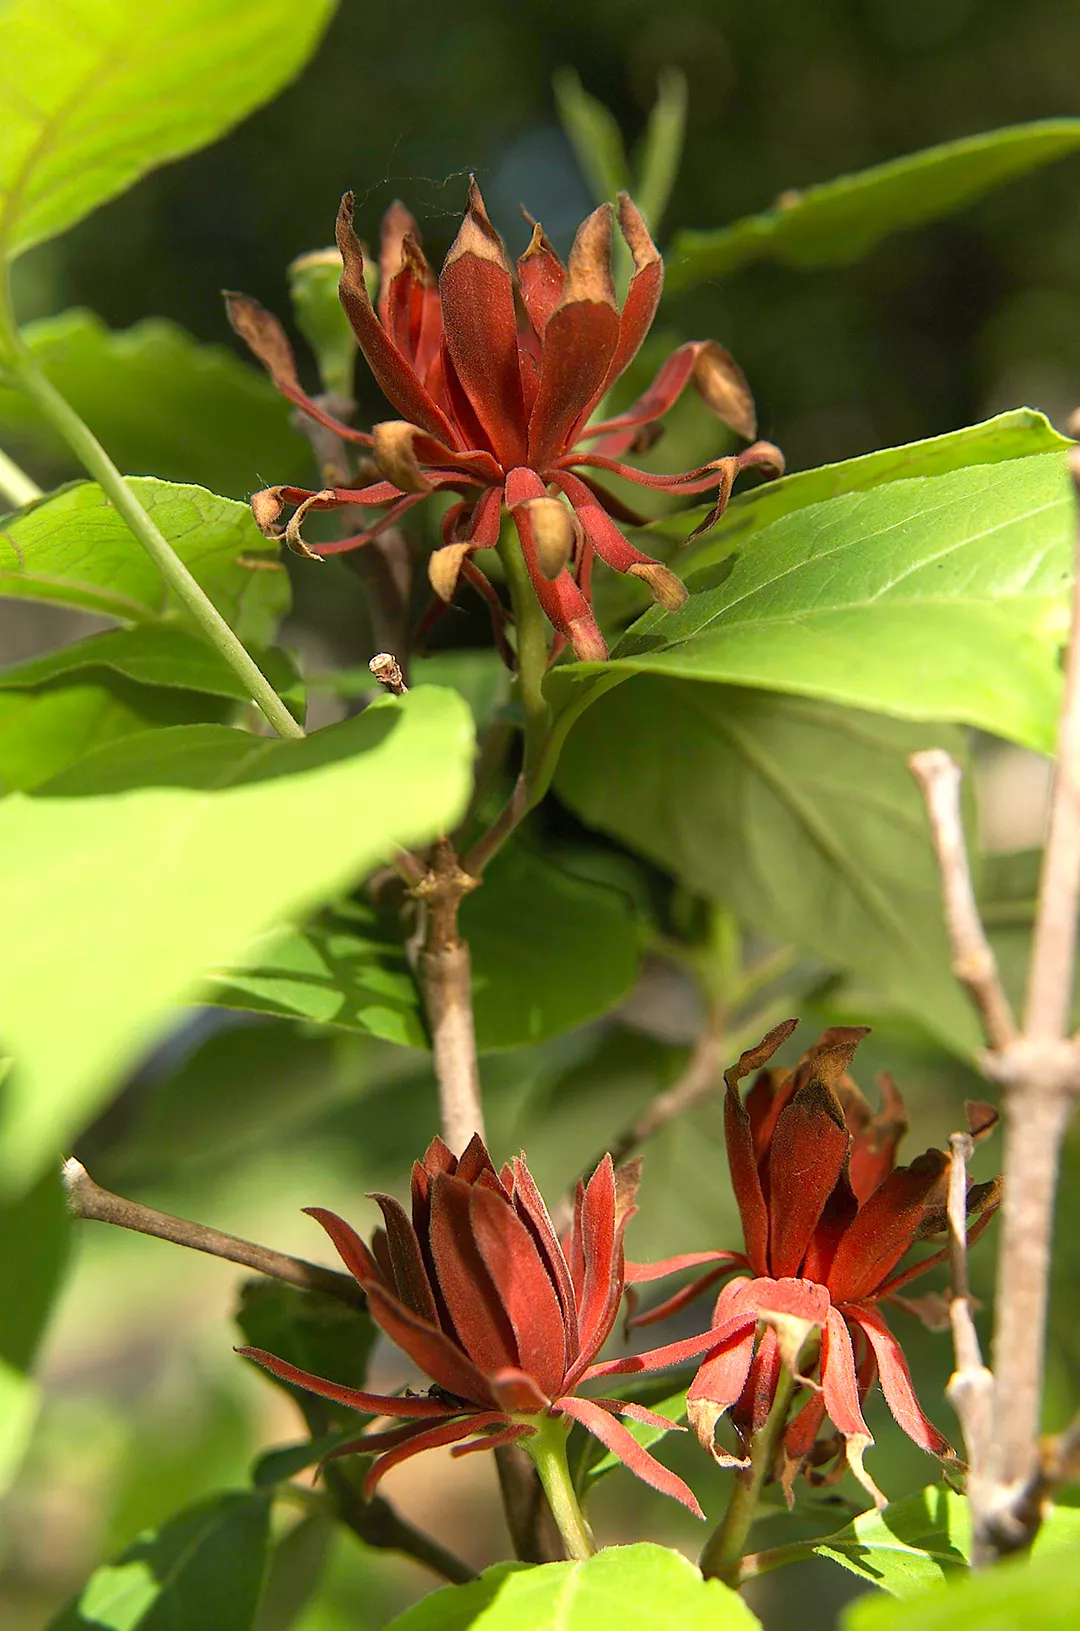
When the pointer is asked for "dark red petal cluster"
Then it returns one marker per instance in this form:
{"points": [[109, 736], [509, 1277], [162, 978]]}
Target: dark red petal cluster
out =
{"points": [[827, 1217], [506, 1319], [495, 381]]}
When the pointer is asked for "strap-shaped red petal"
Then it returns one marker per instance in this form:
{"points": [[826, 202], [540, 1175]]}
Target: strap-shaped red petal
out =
{"points": [[896, 1381], [597, 1225], [531, 1208], [434, 1439], [494, 1441], [394, 373], [621, 1442], [721, 1377], [807, 1152], [477, 293], [886, 1227], [755, 1400], [541, 277], [525, 1287], [672, 1353], [375, 1443], [719, 380], [742, 1160], [475, 1302], [638, 1273], [681, 1299], [579, 342], [410, 1274], [437, 1354], [351, 1249], [608, 542], [373, 1404], [563, 603], [261, 331], [840, 1390], [638, 1412]]}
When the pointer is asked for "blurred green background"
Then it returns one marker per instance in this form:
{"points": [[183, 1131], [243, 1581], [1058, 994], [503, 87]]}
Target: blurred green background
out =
{"points": [[146, 1407]]}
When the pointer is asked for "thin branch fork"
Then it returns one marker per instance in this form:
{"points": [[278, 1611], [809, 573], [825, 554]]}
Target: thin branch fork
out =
{"points": [[1037, 1066]]}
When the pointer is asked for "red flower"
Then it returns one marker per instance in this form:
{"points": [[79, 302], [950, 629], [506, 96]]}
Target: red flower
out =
{"points": [[505, 1321], [495, 384], [827, 1217]]}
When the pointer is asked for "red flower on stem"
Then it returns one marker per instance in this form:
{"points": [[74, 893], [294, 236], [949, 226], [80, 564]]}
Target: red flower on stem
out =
{"points": [[827, 1218], [476, 1288], [495, 383]]}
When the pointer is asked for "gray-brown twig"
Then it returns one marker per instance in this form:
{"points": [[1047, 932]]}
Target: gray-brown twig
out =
{"points": [[86, 1199], [444, 972], [1038, 1070]]}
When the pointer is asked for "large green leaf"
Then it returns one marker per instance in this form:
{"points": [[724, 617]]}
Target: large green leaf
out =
{"points": [[94, 95], [623, 1588], [317, 1333], [160, 402], [801, 818], [912, 1544], [579, 957], [115, 907], [1043, 1595], [33, 1248], [1012, 435], [840, 220], [73, 549], [941, 597], [162, 654], [202, 1571]]}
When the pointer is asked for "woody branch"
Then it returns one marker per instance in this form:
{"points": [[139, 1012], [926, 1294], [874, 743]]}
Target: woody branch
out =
{"points": [[1037, 1066]]}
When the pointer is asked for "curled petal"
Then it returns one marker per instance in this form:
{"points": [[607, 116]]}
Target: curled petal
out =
{"points": [[564, 605], [646, 284], [542, 277], [896, 1382], [444, 568], [609, 543], [621, 1442], [264, 335], [718, 378], [840, 1390], [395, 454], [719, 1382]]}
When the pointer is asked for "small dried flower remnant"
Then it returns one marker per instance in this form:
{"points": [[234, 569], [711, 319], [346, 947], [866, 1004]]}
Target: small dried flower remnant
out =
{"points": [[495, 382], [827, 1217], [505, 1320]]}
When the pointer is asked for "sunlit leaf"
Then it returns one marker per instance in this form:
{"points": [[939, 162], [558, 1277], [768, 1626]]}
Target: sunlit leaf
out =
{"points": [[94, 96], [33, 1248], [1040, 1595]]}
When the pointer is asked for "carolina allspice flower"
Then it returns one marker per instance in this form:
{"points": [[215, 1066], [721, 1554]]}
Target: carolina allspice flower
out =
{"points": [[506, 1321], [827, 1217], [495, 383]]}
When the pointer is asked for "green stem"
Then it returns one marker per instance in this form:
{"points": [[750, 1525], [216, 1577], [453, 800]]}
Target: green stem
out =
{"points": [[547, 1447], [93, 457], [532, 653], [722, 1553], [15, 485]]}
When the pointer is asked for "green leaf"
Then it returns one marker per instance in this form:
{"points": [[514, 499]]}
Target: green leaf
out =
{"points": [[91, 100], [657, 164], [912, 1544], [1012, 435], [316, 1333], [349, 968], [622, 1588], [277, 1466], [44, 731], [72, 549], [161, 654], [296, 1567], [160, 402], [840, 220], [1042, 1595], [801, 818], [160, 885], [594, 134], [34, 1235], [202, 1571], [942, 597]]}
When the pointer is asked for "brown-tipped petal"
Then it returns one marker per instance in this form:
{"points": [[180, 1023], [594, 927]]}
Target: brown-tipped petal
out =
{"points": [[714, 373], [264, 335], [542, 277], [553, 535], [395, 454], [840, 1390], [873, 1154], [719, 1383], [266, 508], [668, 591], [394, 373], [580, 339], [627, 1184], [481, 329], [646, 285], [807, 1153], [563, 603], [981, 1118], [742, 1159], [444, 569], [351, 1249], [621, 1442], [397, 225], [374, 1404], [722, 385], [583, 633], [588, 271], [896, 1383]]}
